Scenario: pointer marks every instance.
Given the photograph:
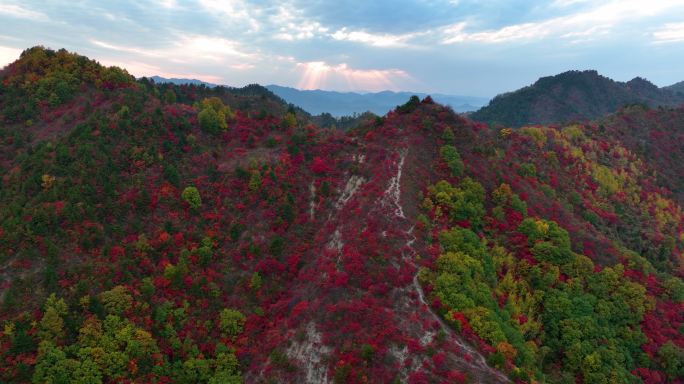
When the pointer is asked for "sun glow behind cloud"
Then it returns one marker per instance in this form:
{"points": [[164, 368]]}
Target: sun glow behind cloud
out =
{"points": [[320, 75]]}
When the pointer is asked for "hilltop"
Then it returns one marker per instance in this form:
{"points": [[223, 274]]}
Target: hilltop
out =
{"points": [[180, 81], [573, 96], [179, 233], [677, 87]]}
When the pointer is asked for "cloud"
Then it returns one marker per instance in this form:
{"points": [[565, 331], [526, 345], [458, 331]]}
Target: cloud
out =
{"points": [[187, 48], [456, 33], [567, 3], [379, 16], [184, 56], [670, 33], [20, 12], [588, 23], [208, 47], [375, 40], [168, 4], [121, 48], [292, 25], [238, 12], [321, 75], [243, 66]]}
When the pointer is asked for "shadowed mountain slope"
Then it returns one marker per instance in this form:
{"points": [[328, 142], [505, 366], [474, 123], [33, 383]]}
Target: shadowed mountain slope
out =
{"points": [[572, 96]]}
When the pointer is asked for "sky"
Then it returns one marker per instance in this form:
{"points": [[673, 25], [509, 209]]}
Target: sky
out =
{"points": [[460, 47]]}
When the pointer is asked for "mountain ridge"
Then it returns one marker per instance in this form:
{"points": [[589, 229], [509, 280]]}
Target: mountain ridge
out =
{"points": [[180, 81], [677, 87], [348, 103], [340, 104], [572, 96]]}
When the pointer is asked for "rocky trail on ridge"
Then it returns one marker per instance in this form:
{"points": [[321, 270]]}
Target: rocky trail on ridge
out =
{"points": [[369, 214]]}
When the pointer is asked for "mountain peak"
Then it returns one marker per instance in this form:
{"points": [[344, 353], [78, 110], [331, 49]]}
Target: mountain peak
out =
{"points": [[641, 82], [571, 96]]}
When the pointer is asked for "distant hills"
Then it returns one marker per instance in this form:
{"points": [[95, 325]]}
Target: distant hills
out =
{"points": [[338, 104], [574, 96], [252, 98], [177, 81], [677, 87], [348, 103]]}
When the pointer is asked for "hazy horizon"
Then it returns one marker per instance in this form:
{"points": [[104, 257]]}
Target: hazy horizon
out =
{"points": [[430, 46]]}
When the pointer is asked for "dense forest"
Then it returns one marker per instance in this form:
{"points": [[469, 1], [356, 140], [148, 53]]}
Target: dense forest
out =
{"points": [[161, 233]]}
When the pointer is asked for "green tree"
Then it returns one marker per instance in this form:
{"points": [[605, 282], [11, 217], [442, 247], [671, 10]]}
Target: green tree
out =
{"points": [[87, 372], [448, 135], [213, 114], [255, 181], [170, 97], [289, 120], [465, 202], [210, 121], [231, 322], [452, 159], [52, 365], [117, 300], [192, 196], [52, 324], [672, 360]]}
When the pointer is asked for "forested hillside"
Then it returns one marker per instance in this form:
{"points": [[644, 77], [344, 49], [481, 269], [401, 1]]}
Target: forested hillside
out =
{"points": [[172, 234], [572, 96]]}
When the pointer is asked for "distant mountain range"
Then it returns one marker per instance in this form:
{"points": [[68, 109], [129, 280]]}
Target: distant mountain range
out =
{"points": [[574, 96], [569, 96], [177, 81], [339, 104], [348, 103]]}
